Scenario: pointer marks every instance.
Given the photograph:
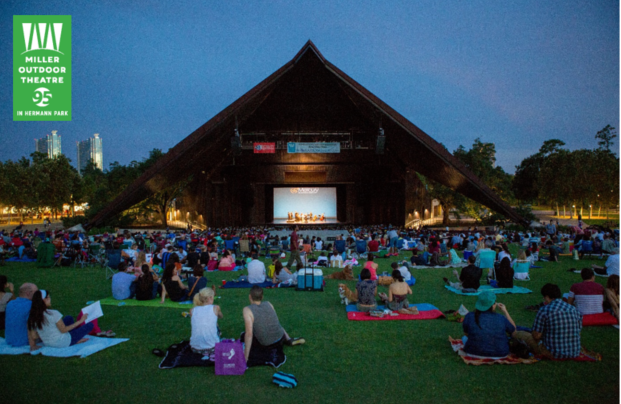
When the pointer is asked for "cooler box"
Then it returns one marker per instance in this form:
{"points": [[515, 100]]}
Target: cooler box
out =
{"points": [[310, 279]]}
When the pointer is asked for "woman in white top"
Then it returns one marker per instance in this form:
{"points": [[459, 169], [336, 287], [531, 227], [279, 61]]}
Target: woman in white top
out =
{"points": [[336, 260], [205, 315], [51, 327]]}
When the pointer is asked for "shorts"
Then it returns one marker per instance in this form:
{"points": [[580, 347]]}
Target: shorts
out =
{"points": [[393, 242]]}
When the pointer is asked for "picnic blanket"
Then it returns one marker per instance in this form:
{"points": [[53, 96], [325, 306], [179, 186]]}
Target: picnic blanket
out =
{"points": [[604, 318], [22, 259], [182, 355], [93, 345], [426, 311], [110, 301], [511, 359], [246, 284], [515, 289]]}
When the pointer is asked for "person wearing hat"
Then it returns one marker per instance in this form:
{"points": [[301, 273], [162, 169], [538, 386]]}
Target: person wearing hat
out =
{"points": [[487, 331]]}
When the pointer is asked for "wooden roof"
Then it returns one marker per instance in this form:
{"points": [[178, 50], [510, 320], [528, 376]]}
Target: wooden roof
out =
{"points": [[308, 93]]}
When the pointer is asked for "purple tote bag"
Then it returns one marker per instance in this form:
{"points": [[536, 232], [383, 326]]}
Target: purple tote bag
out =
{"points": [[230, 359]]}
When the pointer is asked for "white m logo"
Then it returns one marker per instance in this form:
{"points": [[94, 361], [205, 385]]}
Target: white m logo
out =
{"points": [[42, 36]]}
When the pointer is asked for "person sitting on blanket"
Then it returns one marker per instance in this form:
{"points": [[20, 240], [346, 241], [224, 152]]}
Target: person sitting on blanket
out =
{"points": [[130, 254], [504, 274], [487, 331], [588, 295], [612, 294], [417, 259], [256, 269], [123, 286], [557, 326], [470, 278], [227, 260], [5, 298], [398, 291], [554, 252], [17, 311], [371, 267], [336, 260], [263, 331], [608, 245], [205, 315], [146, 285], [282, 276], [405, 272], [611, 267], [51, 327], [172, 285], [367, 290], [197, 281]]}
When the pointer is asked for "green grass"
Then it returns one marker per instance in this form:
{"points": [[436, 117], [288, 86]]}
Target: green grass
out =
{"points": [[342, 361]]}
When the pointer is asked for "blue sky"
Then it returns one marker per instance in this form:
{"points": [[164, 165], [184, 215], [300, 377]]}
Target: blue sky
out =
{"points": [[146, 74]]}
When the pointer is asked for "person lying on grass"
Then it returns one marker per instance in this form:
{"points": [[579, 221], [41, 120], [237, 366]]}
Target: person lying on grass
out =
{"points": [[263, 331], [398, 291], [488, 331], [51, 327], [205, 315]]}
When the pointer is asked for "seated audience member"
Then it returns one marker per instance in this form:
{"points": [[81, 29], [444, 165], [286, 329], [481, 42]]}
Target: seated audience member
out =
{"points": [[205, 315], [554, 252], [367, 290], [263, 332], [182, 254], [504, 252], [557, 326], [17, 312], [611, 267], [418, 259], [520, 266], [146, 285], [193, 257], [197, 281], [612, 294], [373, 245], [130, 254], [565, 249], [318, 244], [588, 295], [5, 298], [470, 278], [371, 266], [122, 284], [487, 331], [322, 260], [172, 285], [504, 274], [398, 291], [336, 260], [282, 275], [227, 260], [608, 245], [256, 269], [51, 327], [405, 272]]}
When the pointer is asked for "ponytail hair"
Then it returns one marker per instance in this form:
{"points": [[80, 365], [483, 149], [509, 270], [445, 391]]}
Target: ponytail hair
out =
{"points": [[36, 317]]}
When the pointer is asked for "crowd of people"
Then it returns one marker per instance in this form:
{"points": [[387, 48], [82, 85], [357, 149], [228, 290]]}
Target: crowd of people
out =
{"points": [[173, 264]]}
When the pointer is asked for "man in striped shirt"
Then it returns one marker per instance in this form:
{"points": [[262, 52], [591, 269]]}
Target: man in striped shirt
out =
{"points": [[588, 295]]}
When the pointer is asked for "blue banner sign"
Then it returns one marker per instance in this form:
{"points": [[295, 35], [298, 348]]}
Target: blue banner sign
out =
{"points": [[315, 147]]}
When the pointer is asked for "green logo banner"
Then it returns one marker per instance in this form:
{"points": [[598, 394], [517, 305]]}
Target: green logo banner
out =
{"points": [[41, 67]]}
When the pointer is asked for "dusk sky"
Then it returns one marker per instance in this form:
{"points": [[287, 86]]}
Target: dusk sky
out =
{"points": [[148, 73]]}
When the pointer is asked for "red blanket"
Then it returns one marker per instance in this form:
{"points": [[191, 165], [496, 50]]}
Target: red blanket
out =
{"points": [[422, 315], [599, 319]]}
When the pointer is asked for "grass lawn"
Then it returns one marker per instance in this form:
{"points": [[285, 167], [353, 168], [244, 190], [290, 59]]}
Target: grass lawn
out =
{"points": [[342, 361]]}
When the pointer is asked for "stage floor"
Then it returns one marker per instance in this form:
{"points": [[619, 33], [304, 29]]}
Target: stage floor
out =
{"points": [[317, 223]]}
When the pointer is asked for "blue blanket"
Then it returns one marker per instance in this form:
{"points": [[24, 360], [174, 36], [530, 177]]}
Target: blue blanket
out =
{"points": [[93, 345], [246, 284], [515, 289], [23, 259]]}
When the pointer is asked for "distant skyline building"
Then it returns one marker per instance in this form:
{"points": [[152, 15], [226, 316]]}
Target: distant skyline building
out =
{"points": [[90, 149], [50, 145]]}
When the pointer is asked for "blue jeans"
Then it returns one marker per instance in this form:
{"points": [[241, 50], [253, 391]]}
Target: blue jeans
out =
{"points": [[77, 333]]}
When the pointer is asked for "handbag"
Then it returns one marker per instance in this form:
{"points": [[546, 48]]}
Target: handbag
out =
{"points": [[230, 360]]}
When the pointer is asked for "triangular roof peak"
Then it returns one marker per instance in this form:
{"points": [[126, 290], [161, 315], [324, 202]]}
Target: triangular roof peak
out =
{"points": [[309, 45]]}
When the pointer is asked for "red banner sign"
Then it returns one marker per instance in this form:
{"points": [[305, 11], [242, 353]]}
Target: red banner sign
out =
{"points": [[265, 148]]}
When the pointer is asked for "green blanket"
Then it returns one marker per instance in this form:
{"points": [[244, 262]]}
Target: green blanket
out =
{"points": [[110, 301]]}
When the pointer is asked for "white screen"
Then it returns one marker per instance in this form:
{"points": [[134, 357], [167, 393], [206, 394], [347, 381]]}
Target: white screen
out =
{"points": [[304, 200]]}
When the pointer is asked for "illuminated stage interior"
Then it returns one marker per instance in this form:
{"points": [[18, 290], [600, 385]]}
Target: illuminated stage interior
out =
{"points": [[305, 205]]}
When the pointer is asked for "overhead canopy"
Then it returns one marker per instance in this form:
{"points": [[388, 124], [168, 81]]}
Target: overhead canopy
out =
{"points": [[307, 94]]}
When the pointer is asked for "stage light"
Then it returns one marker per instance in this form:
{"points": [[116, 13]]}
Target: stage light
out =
{"points": [[381, 142]]}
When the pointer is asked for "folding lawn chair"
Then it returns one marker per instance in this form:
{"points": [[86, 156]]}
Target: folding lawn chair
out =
{"points": [[113, 259]]}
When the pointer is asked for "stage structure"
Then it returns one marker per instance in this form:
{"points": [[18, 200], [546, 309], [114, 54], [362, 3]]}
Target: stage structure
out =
{"points": [[307, 128]]}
